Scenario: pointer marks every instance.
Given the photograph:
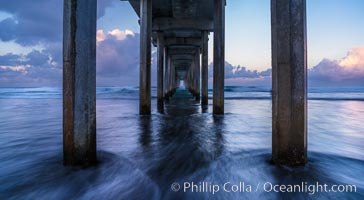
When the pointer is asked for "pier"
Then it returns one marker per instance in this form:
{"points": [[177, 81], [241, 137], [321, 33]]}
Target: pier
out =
{"points": [[180, 30]]}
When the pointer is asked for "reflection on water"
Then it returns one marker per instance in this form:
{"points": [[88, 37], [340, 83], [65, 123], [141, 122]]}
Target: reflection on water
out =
{"points": [[141, 156], [184, 142]]}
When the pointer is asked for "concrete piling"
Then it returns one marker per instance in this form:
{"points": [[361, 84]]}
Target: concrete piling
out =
{"points": [[219, 57], [79, 82], [166, 72], [204, 70], [198, 75], [145, 57], [160, 68], [289, 74]]}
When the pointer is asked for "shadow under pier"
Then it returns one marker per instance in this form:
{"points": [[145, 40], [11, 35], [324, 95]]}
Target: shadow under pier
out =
{"points": [[180, 143], [182, 102]]}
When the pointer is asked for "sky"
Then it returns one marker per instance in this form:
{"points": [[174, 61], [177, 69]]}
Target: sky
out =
{"points": [[31, 43]]}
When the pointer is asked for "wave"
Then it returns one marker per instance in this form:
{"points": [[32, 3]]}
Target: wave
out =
{"points": [[310, 98], [231, 93], [246, 89]]}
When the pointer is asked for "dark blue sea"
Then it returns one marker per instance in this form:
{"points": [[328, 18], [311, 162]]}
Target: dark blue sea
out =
{"points": [[185, 153]]}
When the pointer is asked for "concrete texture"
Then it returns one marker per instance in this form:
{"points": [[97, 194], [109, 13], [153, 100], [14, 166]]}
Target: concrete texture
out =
{"points": [[145, 57], [289, 74], [219, 57], [204, 68], [79, 82], [198, 75], [160, 68]]}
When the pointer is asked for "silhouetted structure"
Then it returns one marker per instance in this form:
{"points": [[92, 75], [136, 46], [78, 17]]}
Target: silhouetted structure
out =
{"points": [[180, 30]]}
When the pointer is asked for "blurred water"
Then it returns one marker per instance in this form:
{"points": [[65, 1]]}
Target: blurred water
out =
{"points": [[140, 157], [231, 92]]}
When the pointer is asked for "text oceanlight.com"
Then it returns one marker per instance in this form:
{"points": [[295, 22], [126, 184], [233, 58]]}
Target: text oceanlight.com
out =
{"points": [[243, 187]]}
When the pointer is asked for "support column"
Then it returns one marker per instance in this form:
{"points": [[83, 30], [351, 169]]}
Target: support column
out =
{"points": [[172, 78], [169, 76], [193, 82], [166, 70], [79, 82], [145, 57], [289, 76], [219, 56], [191, 79], [205, 68], [177, 82], [188, 79], [160, 71], [198, 75]]}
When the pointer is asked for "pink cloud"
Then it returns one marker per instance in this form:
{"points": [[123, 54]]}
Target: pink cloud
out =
{"points": [[349, 69], [117, 57], [116, 33], [17, 68], [354, 60]]}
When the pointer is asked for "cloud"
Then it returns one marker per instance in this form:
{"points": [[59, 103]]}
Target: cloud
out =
{"points": [[38, 68], [117, 57], [116, 33], [240, 75], [354, 59], [9, 59], [39, 23], [16, 68], [346, 71], [102, 5], [100, 36], [32, 22], [117, 62], [35, 25], [35, 22]]}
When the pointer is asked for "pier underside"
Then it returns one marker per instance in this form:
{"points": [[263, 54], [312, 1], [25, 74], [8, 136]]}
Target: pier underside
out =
{"points": [[180, 30]]}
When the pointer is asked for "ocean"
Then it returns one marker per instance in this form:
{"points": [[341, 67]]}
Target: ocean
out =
{"points": [[185, 153]]}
